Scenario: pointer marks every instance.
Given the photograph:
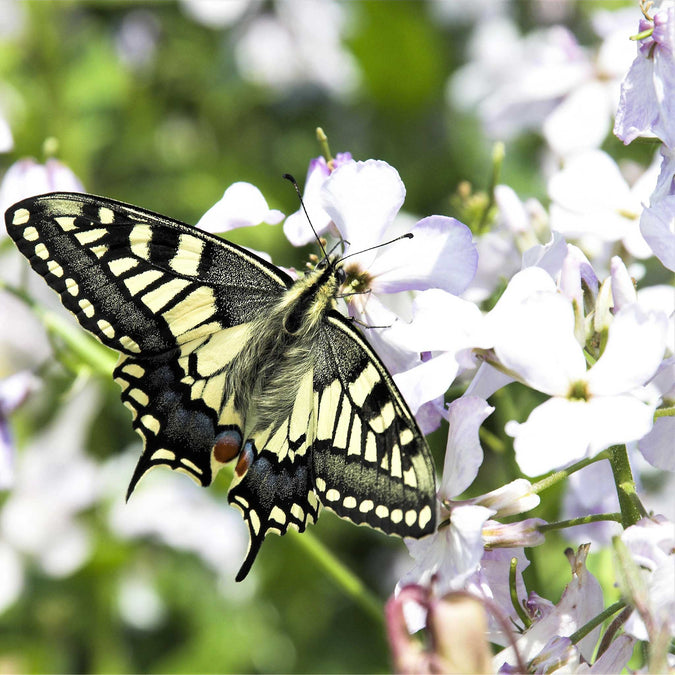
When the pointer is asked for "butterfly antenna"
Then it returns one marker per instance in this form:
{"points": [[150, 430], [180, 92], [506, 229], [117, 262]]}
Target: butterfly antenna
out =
{"points": [[292, 180], [407, 235]]}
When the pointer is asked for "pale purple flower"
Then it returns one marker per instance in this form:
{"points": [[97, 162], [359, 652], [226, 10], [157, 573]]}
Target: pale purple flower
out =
{"points": [[167, 508], [491, 582], [454, 555], [593, 203], [544, 81], [242, 205], [657, 225], [647, 105], [444, 327], [591, 491], [657, 445], [54, 483], [651, 543], [589, 409], [296, 227], [363, 200], [581, 601], [27, 178], [14, 390], [510, 243], [295, 44]]}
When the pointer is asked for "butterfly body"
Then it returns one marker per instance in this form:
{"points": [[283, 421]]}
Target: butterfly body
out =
{"points": [[225, 357]]}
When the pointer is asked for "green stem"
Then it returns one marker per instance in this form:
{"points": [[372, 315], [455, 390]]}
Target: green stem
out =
{"points": [[596, 621], [665, 412], [497, 161], [632, 509], [513, 591], [323, 142], [343, 577], [584, 520], [557, 476]]}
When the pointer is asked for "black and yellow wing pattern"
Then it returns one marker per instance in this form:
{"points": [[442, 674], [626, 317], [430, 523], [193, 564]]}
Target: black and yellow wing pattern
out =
{"points": [[224, 357]]}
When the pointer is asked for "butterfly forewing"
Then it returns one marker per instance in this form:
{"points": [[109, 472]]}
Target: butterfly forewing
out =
{"points": [[183, 308]]}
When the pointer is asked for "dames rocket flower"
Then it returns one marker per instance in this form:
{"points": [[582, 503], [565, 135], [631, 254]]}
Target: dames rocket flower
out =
{"points": [[647, 106], [589, 409], [363, 200]]}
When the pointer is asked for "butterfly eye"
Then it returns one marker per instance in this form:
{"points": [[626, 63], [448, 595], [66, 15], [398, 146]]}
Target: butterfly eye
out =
{"points": [[341, 275]]}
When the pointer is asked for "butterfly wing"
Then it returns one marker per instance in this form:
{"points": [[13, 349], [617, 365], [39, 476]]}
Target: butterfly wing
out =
{"points": [[370, 461], [350, 443], [173, 300]]}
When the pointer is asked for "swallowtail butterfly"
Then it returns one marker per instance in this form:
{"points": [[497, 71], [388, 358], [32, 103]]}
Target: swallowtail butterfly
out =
{"points": [[224, 357]]}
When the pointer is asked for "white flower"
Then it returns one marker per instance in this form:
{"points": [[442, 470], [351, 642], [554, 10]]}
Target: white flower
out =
{"points": [[27, 178], [298, 43], [657, 226], [54, 483], [592, 201], [651, 543], [647, 106], [589, 409], [242, 205], [363, 200], [581, 601], [296, 227]]}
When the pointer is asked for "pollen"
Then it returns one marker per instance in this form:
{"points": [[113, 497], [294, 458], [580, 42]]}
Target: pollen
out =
{"points": [[357, 279], [578, 391]]}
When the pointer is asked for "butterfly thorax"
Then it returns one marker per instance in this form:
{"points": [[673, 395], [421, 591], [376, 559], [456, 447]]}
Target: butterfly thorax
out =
{"points": [[267, 375]]}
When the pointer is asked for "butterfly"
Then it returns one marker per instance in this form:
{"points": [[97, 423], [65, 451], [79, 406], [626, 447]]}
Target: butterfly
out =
{"points": [[224, 357]]}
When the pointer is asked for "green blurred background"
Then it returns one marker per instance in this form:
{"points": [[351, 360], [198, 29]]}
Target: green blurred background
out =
{"points": [[148, 105]]}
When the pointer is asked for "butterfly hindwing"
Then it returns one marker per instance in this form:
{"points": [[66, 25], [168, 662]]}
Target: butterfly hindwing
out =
{"points": [[371, 462], [350, 443]]}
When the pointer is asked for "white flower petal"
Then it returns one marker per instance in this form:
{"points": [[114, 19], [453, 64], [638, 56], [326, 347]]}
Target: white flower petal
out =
{"points": [[521, 286], [440, 255], [634, 350], [536, 340], [657, 445], [487, 381], [555, 434], [12, 577], [427, 381], [242, 205], [463, 452], [623, 290], [453, 552], [657, 225], [616, 419], [27, 178], [589, 197], [363, 198], [562, 129], [296, 227], [441, 322]]}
